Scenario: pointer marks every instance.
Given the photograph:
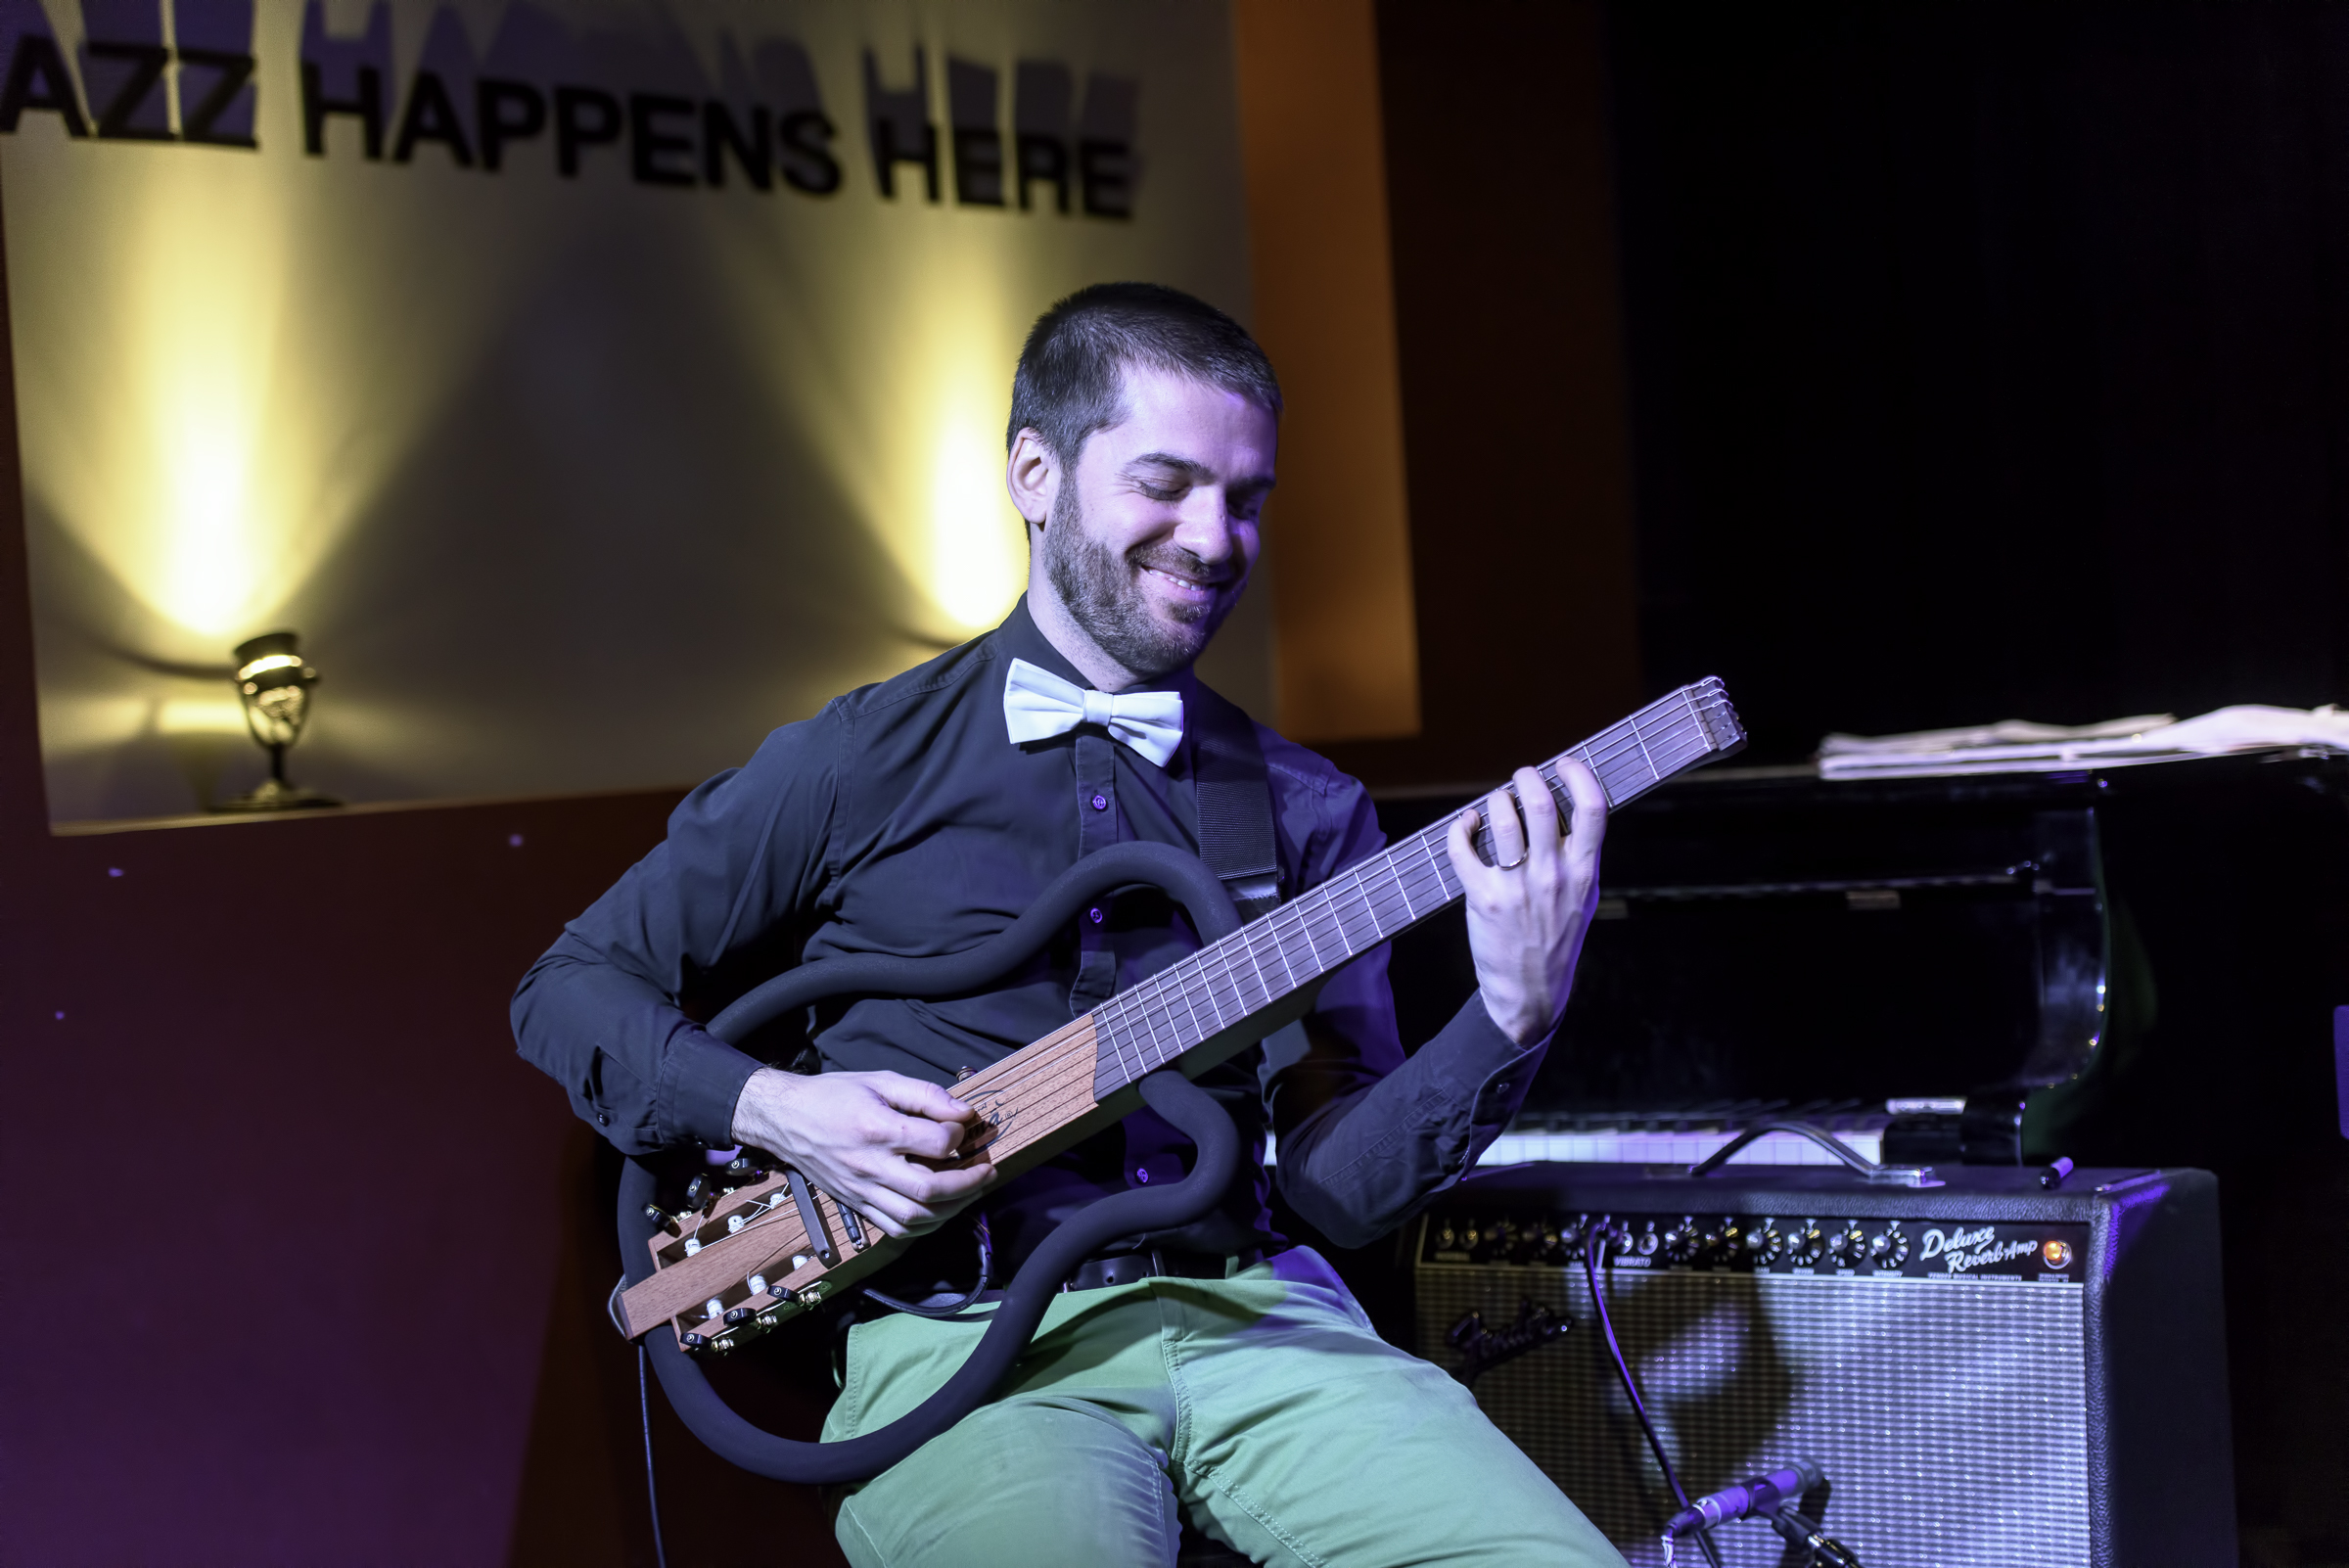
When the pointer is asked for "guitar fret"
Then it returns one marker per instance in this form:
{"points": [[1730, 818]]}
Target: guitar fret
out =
{"points": [[1180, 993], [1216, 955], [1150, 1048], [1271, 988], [1136, 1027], [1355, 942], [1280, 942], [1386, 863], [1311, 918]]}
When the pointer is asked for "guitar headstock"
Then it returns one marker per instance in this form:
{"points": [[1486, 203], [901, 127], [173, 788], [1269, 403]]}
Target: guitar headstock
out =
{"points": [[755, 1246], [1709, 700]]}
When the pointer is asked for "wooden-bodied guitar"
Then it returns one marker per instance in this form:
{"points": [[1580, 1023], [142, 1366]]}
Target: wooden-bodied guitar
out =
{"points": [[746, 1257]]}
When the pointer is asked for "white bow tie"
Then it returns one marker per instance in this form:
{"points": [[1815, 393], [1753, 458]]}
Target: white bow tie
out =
{"points": [[1039, 704]]}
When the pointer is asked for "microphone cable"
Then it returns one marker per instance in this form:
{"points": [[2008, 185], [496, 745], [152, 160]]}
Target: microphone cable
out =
{"points": [[1592, 1239]]}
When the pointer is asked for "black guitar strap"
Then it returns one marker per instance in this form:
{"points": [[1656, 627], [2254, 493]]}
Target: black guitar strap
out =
{"points": [[1235, 804]]}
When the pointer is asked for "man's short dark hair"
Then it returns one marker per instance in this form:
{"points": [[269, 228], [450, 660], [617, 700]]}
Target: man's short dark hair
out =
{"points": [[1070, 381]]}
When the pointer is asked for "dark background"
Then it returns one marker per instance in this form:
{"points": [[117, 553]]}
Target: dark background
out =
{"points": [[1985, 360], [1972, 361]]}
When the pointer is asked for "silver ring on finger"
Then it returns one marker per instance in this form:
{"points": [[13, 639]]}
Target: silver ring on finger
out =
{"points": [[1511, 865]]}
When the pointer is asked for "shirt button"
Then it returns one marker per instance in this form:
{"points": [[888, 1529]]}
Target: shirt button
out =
{"points": [[1100, 803], [1095, 912], [601, 1119], [1143, 1177], [1501, 1087]]}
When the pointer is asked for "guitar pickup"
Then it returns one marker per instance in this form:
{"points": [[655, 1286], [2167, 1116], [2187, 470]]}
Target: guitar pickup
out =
{"points": [[819, 1239]]}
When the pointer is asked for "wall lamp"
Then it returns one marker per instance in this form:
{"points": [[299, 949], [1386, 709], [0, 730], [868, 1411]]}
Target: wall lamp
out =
{"points": [[275, 685]]}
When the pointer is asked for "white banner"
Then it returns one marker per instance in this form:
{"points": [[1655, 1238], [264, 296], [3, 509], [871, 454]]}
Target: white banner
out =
{"points": [[594, 387]]}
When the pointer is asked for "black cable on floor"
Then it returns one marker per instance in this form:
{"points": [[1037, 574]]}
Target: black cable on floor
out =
{"points": [[1592, 1240], [652, 1490]]}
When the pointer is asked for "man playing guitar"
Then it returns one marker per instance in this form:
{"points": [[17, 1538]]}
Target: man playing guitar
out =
{"points": [[1215, 1375]]}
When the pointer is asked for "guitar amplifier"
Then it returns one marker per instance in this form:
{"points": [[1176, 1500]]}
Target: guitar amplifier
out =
{"points": [[1989, 1374]]}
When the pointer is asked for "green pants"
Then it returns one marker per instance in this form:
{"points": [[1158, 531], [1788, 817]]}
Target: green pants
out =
{"points": [[1260, 1408]]}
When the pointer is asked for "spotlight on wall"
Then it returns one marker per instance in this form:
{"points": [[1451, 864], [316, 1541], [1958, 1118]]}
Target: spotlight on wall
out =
{"points": [[275, 685]]}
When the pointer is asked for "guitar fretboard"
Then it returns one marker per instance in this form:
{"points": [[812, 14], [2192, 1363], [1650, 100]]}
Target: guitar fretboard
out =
{"points": [[1227, 981]]}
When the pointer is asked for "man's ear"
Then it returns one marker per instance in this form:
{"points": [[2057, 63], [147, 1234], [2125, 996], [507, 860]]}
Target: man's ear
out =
{"points": [[1032, 475]]}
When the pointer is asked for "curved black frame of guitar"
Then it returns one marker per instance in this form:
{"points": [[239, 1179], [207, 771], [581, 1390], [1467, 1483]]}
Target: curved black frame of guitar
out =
{"points": [[1189, 1108]]}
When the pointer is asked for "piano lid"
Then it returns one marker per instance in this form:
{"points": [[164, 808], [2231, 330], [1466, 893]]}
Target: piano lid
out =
{"points": [[1769, 936]]}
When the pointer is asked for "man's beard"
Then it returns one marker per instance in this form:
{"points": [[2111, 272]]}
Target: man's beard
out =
{"points": [[1104, 594]]}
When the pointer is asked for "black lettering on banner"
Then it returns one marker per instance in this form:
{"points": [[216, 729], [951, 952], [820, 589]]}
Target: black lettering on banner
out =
{"points": [[583, 118], [1044, 157], [367, 108], [807, 161], [505, 112], [145, 63], [430, 117], [974, 120], [887, 157], [978, 167], [1102, 170], [37, 79], [199, 121], [649, 144], [719, 135]]}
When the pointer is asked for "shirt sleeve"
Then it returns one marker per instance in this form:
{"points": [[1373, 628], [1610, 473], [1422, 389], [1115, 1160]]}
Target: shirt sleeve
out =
{"points": [[599, 1011], [1365, 1136]]}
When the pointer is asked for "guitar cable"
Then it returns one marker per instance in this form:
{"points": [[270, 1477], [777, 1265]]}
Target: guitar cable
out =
{"points": [[1593, 1239], [652, 1490]]}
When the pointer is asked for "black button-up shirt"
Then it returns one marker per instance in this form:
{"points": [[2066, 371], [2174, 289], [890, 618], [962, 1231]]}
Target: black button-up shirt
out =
{"points": [[904, 820]]}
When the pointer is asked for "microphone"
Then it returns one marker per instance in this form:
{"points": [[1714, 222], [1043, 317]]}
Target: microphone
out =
{"points": [[1759, 1494]]}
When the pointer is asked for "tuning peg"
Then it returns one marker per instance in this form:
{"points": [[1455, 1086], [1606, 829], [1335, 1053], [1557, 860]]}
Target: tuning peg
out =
{"points": [[662, 1218], [699, 1191]]}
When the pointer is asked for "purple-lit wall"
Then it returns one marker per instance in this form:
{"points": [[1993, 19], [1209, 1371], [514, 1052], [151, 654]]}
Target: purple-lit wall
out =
{"points": [[307, 1269]]}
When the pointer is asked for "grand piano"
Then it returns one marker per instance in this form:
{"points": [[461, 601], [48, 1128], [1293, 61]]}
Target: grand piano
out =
{"points": [[1939, 969]]}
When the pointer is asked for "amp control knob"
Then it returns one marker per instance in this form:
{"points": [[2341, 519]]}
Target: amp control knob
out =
{"points": [[1764, 1246], [1810, 1244], [1681, 1241], [1889, 1248], [1847, 1247]]}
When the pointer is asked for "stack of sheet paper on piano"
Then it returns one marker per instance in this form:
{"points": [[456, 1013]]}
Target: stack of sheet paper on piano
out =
{"points": [[2017, 747]]}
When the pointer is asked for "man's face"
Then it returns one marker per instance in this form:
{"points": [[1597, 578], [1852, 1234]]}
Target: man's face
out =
{"points": [[1152, 533]]}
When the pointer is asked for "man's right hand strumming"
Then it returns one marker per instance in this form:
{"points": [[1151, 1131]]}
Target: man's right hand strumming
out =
{"points": [[866, 1139]]}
